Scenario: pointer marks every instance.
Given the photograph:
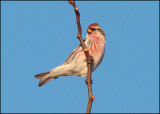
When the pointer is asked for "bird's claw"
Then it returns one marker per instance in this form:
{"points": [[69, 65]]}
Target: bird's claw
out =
{"points": [[87, 81]]}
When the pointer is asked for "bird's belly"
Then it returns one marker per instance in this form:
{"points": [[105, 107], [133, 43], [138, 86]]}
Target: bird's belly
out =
{"points": [[79, 62], [79, 65]]}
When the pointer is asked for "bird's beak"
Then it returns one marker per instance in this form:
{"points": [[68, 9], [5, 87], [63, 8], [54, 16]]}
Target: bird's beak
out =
{"points": [[89, 30]]}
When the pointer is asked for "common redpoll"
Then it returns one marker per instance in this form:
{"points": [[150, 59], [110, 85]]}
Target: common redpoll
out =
{"points": [[76, 63]]}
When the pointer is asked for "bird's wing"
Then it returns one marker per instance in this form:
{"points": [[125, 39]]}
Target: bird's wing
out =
{"points": [[79, 48], [71, 56]]}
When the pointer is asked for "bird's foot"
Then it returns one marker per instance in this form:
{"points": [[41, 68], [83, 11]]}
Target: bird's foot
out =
{"points": [[87, 81]]}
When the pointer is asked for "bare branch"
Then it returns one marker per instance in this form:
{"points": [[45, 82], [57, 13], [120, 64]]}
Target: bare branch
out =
{"points": [[89, 58]]}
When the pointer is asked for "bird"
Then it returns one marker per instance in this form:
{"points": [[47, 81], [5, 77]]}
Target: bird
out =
{"points": [[76, 64]]}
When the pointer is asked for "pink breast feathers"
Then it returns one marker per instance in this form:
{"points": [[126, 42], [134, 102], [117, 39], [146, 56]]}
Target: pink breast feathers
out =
{"points": [[97, 47]]}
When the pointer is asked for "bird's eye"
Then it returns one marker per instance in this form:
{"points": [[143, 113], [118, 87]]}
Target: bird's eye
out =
{"points": [[90, 30], [93, 29]]}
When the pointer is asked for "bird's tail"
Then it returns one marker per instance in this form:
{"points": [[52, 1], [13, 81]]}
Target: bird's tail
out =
{"points": [[44, 78], [53, 74]]}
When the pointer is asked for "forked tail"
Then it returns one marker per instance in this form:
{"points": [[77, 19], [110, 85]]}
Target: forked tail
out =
{"points": [[44, 78], [61, 70]]}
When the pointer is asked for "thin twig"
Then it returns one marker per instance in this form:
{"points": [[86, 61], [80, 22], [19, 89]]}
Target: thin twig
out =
{"points": [[89, 58]]}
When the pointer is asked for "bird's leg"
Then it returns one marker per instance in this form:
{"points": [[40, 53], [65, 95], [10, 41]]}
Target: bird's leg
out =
{"points": [[87, 81]]}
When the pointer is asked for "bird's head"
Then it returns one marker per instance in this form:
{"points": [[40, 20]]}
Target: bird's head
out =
{"points": [[95, 28]]}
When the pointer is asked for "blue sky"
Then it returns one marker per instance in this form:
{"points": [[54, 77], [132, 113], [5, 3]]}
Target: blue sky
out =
{"points": [[38, 36]]}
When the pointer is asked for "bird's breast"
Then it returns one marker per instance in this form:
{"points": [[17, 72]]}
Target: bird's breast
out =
{"points": [[97, 47]]}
